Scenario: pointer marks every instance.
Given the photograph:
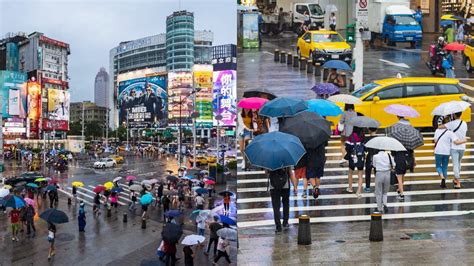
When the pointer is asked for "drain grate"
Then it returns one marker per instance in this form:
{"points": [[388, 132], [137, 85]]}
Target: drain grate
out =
{"points": [[340, 241]]}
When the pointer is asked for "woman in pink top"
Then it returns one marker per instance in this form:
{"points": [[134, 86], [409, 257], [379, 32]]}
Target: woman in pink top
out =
{"points": [[114, 200]]}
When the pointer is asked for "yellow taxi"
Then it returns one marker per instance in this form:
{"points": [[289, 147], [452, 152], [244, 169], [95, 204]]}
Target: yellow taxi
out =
{"points": [[200, 160], [211, 159], [468, 55], [323, 45], [117, 158], [422, 93]]}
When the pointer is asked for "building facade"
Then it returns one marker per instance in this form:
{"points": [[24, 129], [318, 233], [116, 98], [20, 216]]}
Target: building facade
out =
{"points": [[92, 112], [101, 85], [180, 41]]}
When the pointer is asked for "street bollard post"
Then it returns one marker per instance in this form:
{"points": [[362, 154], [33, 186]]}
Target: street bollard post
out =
{"points": [[304, 230], [143, 223], [289, 60], [295, 61], [109, 211], [276, 57], [69, 201], [376, 230], [317, 70], [125, 217], [303, 64], [282, 57], [309, 67]]}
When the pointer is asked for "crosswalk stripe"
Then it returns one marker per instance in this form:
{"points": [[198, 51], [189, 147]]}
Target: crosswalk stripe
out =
{"points": [[358, 206], [89, 196], [359, 218], [120, 197], [79, 198], [363, 195]]}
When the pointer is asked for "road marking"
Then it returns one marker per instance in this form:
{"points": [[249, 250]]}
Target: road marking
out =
{"points": [[266, 52], [358, 206], [465, 86], [394, 64], [79, 198], [358, 218]]}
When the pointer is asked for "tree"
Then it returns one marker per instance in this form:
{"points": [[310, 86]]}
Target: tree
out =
{"points": [[93, 129], [75, 129]]}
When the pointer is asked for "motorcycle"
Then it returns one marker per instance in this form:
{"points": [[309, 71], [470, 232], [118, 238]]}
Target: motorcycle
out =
{"points": [[436, 59]]}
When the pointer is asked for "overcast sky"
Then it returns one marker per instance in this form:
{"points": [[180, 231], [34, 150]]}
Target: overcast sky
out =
{"points": [[93, 27]]}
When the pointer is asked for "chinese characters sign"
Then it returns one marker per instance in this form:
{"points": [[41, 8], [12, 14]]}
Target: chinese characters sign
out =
{"points": [[203, 80], [224, 94]]}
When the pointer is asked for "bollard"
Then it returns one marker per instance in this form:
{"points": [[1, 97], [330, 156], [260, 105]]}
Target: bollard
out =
{"points": [[309, 68], [109, 211], [304, 230], [143, 223], [302, 64], [124, 217], [69, 201], [282, 57], [295, 61], [376, 230], [289, 59], [317, 70], [276, 55]]}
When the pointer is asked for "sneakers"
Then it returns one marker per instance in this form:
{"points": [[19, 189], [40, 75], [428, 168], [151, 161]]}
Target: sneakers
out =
{"points": [[349, 190], [304, 194], [316, 192], [401, 197], [367, 190], [295, 193], [443, 183], [286, 226]]}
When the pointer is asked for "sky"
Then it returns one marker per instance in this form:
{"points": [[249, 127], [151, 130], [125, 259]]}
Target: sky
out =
{"points": [[93, 27]]}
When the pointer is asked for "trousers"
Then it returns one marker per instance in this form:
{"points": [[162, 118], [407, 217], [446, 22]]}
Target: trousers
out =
{"points": [[456, 157], [279, 197], [382, 186]]}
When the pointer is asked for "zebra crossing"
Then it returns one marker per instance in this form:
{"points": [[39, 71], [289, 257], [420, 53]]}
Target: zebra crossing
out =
{"points": [[423, 196]]}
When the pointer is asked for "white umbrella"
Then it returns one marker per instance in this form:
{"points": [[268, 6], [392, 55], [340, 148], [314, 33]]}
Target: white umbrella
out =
{"points": [[4, 192], [146, 182], [450, 108], [385, 144], [344, 98], [118, 178], [227, 233], [193, 240], [136, 187], [153, 181]]}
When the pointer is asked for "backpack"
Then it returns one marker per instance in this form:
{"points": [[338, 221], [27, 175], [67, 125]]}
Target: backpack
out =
{"points": [[278, 178], [359, 149]]}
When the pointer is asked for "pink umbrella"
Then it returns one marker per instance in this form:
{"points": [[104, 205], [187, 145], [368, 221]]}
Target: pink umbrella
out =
{"points": [[252, 103], [30, 202], [402, 110], [131, 177], [210, 182]]}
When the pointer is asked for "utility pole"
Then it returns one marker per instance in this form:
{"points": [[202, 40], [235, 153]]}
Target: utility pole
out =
{"points": [[362, 17], [107, 130], [194, 130]]}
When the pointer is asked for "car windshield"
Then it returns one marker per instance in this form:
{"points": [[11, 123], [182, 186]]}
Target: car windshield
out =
{"points": [[315, 9], [317, 37], [405, 20], [104, 160], [365, 90]]}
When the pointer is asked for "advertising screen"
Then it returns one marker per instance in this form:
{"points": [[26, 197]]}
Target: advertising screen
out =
{"points": [[180, 86], [250, 30], [224, 97], [203, 79], [34, 100], [144, 100], [58, 104], [15, 82]]}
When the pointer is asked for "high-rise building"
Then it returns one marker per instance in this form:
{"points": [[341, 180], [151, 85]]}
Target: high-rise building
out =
{"points": [[92, 112], [101, 85], [180, 41]]}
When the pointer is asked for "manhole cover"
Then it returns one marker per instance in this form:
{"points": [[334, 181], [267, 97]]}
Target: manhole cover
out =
{"points": [[64, 237], [420, 236], [340, 241]]}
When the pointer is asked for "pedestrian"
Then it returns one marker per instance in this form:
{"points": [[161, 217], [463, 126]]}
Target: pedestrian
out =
{"points": [[368, 159], [444, 138], [279, 186], [300, 173], [74, 193], [213, 237], [81, 218], [332, 21], [355, 153], [30, 224], [51, 239], [133, 200], [144, 211], [222, 247], [335, 78], [114, 200], [383, 164], [15, 223], [96, 208], [449, 34], [189, 254], [226, 204], [448, 65], [106, 197], [199, 200], [459, 128], [419, 16], [51, 198], [316, 159], [460, 32], [201, 225], [345, 129], [170, 253], [159, 194], [130, 183], [245, 130], [166, 204]]}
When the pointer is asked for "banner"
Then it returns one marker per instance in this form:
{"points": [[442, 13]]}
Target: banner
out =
{"points": [[203, 79], [180, 86], [250, 30], [58, 104], [225, 94], [60, 125], [14, 102], [10, 80], [144, 100], [34, 100]]}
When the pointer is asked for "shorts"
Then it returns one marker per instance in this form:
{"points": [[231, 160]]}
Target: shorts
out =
{"points": [[359, 164], [300, 172], [403, 161], [245, 134], [15, 226], [314, 172]]}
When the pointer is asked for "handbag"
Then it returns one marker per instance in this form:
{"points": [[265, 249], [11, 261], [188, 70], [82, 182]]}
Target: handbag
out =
{"points": [[393, 175], [340, 127]]}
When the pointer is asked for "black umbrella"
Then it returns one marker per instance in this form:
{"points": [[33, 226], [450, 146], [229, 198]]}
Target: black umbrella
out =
{"points": [[262, 93], [406, 134], [172, 233], [54, 216], [172, 178], [309, 127], [225, 192], [172, 192]]}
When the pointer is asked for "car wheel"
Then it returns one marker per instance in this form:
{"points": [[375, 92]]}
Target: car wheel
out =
{"points": [[113, 165], [103, 166], [468, 65], [437, 120]]}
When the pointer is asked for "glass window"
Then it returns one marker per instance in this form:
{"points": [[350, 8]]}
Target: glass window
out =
{"points": [[405, 20], [420, 90], [365, 90], [301, 9], [327, 38], [307, 37], [390, 93], [449, 89]]}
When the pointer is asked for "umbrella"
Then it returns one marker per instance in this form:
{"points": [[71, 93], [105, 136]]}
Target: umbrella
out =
{"points": [[201, 190], [252, 103], [51, 187], [454, 46], [116, 190], [53, 181], [204, 172], [385, 144], [99, 189], [406, 134], [364, 122], [337, 64], [402, 110], [450, 108], [14, 202], [194, 215], [172, 233], [172, 192], [146, 199], [4, 192], [204, 214], [109, 185], [451, 17], [77, 184], [173, 213], [189, 177], [7, 187], [195, 188], [30, 202], [344, 98], [32, 185], [309, 127], [227, 233], [153, 181], [323, 107], [118, 178], [223, 193], [283, 107], [325, 88], [54, 216], [131, 178], [227, 220], [146, 182], [210, 182], [18, 189], [193, 240], [445, 23], [262, 93], [41, 179], [21, 183], [275, 150], [172, 178], [135, 187]]}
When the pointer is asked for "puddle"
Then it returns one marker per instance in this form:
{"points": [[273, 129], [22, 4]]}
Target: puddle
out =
{"points": [[420, 236]]}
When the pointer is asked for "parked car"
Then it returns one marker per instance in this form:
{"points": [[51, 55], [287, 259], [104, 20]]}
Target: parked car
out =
{"points": [[105, 163], [118, 159]]}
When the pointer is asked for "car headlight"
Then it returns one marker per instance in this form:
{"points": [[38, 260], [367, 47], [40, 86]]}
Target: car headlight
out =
{"points": [[320, 51], [348, 51]]}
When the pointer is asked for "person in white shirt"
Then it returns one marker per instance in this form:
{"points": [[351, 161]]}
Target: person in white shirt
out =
{"points": [[383, 163], [332, 21], [199, 202], [459, 128], [444, 138]]}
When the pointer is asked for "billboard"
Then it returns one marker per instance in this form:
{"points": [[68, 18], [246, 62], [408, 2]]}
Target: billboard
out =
{"points": [[250, 30], [60, 125], [180, 86], [58, 104], [224, 97], [13, 90], [144, 100], [203, 76], [34, 100]]}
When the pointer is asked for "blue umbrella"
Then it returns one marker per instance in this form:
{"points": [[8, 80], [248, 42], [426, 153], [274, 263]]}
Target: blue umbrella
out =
{"points": [[189, 177], [227, 220], [275, 150], [337, 64], [445, 23], [201, 190], [146, 199], [325, 88], [173, 213], [324, 107], [51, 187], [13, 202], [283, 107], [116, 190], [32, 185]]}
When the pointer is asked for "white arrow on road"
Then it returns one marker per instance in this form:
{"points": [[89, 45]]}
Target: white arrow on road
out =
{"points": [[394, 64]]}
